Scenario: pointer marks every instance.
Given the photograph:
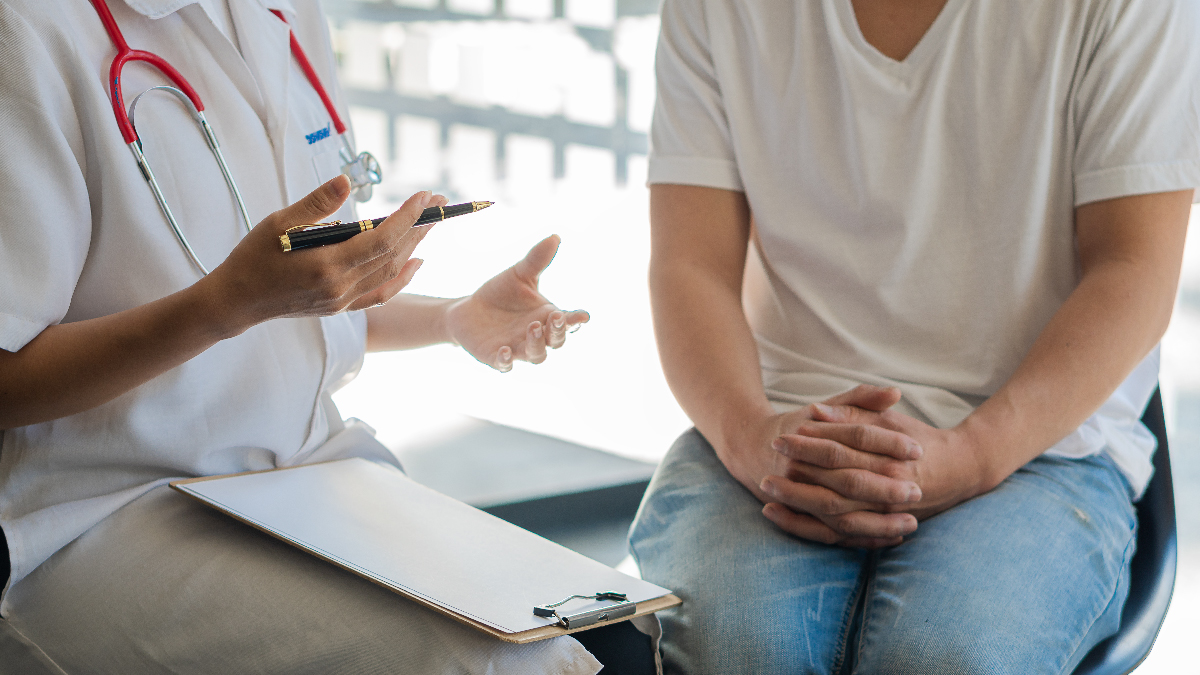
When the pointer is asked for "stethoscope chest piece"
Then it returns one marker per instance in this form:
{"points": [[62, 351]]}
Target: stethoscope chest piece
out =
{"points": [[363, 171]]}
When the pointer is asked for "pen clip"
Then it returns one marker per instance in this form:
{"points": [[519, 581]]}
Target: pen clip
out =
{"points": [[305, 227]]}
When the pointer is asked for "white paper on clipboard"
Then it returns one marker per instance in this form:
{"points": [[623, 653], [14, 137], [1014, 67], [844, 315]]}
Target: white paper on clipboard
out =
{"points": [[375, 521]]}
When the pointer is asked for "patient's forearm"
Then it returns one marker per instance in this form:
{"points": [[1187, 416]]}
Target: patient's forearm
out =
{"points": [[1131, 250], [699, 242], [708, 353]]}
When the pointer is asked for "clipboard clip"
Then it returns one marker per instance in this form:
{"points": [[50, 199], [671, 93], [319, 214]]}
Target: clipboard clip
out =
{"points": [[623, 608]]}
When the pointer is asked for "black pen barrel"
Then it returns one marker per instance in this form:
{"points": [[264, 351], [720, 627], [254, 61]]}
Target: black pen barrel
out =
{"points": [[434, 214], [332, 233], [323, 235]]}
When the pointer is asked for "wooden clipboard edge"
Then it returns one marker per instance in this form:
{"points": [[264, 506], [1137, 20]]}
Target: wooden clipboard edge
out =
{"points": [[522, 637]]}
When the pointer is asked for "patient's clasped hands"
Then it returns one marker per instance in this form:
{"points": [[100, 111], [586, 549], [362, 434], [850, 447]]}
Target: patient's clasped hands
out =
{"points": [[855, 473]]}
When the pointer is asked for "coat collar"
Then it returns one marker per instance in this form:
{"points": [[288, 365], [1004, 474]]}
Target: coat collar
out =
{"points": [[157, 9]]}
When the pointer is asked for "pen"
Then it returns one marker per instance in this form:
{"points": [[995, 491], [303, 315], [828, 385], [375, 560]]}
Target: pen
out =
{"points": [[321, 234]]}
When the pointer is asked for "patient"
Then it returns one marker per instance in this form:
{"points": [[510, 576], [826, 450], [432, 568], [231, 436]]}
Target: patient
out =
{"points": [[911, 261]]}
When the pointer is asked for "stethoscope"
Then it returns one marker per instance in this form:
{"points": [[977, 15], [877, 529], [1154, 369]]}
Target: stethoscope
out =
{"points": [[362, 169]]}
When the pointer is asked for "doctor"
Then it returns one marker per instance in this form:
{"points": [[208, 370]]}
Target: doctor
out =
{"points": [[123, 365]]}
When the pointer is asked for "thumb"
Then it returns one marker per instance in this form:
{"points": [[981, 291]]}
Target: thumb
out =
{"points": [[316, 205], [538, 259]]}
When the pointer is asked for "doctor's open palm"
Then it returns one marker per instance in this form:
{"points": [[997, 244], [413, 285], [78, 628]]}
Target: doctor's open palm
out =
{"points": [[508, 319]]}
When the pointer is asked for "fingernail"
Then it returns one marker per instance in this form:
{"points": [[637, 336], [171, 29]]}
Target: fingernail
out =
{"points": [[537, 332], [914, 494], [338, 185], [777, 444], [915, 450], [426, 197], [823, 409], [767, 486], [558, 320]]}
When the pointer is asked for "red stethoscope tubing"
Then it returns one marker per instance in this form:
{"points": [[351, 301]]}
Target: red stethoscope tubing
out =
{"points": [[125, 54], [311, 74]]}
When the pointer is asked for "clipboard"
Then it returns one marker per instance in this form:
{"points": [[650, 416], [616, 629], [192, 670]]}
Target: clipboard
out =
{"points": [[371, 519]]}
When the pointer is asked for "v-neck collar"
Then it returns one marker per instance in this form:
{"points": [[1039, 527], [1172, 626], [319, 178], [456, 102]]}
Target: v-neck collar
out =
{"points": [[929, 45]]}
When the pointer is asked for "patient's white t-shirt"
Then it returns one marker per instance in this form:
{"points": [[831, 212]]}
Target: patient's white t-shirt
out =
{"points": [[913, 220]]}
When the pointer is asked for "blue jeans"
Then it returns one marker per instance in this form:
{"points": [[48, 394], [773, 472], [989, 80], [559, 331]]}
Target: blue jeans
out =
{"points": [[1023, 579]]}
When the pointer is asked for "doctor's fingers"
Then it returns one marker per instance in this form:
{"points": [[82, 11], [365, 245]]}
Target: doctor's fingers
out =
{"points": [[552, 334], [535, 342], [559, 323], [388, 251], [370, 292], [556, 329], [324, 284], [503, 360], [383, 271], [389, 238], [313, 207], [805, 526]]}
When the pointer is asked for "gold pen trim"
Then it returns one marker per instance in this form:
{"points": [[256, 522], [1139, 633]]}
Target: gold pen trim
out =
{"points": [[286, 242]]}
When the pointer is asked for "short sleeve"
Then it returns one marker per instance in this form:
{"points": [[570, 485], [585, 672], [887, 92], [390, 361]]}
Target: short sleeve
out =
{"points": [[45, 218], [690, 141], [1137, 105]]}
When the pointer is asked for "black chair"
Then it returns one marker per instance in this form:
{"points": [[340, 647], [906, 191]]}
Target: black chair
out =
{"points": [[1152, 569]]}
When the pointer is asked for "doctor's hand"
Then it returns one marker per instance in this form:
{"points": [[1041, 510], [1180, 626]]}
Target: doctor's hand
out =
{"points": [[843, 456], [259, 281], [507, 319]]}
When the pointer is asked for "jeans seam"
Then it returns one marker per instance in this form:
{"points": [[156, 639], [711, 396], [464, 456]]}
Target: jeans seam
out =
{"points": [[868, 588], [1127, 558], [851, 613]]}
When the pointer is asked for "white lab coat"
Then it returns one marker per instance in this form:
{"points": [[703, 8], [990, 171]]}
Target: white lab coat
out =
{"points": [[81, 237]]}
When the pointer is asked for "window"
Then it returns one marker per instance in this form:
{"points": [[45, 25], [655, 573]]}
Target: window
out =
{"points": [[544, 108]]}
